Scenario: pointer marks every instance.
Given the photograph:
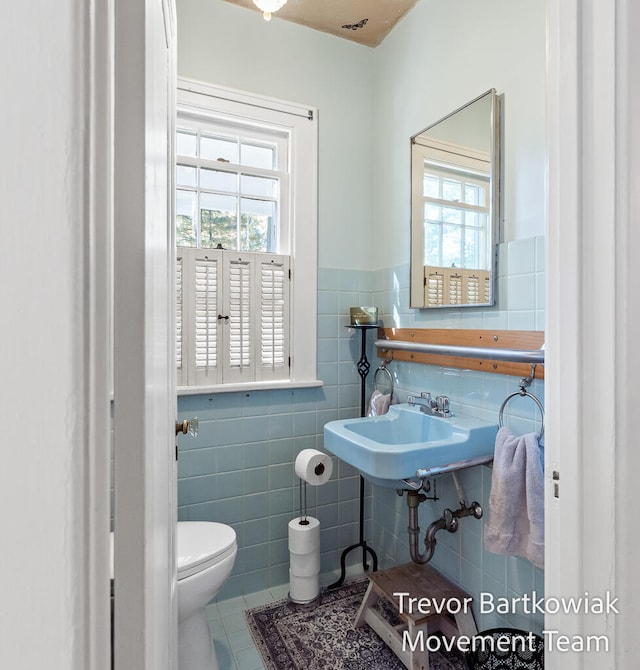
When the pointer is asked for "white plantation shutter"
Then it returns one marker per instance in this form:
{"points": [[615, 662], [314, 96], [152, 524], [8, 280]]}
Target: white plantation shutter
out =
{"points": [[239, 282], [232, 317], [197, 309], [205, 273], [273, 282]]}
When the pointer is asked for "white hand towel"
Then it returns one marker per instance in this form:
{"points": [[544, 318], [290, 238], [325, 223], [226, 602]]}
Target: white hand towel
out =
{"points": [[379, 403], [516, 502]]}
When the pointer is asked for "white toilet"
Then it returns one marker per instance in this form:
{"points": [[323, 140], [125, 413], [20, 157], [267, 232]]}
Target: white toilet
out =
{"points": [[206, 552]]}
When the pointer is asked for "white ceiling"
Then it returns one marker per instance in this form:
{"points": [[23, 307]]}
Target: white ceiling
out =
{"points": [[363, 21]]}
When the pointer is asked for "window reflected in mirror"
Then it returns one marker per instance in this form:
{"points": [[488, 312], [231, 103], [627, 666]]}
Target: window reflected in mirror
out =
{"points": [[454, 208]]}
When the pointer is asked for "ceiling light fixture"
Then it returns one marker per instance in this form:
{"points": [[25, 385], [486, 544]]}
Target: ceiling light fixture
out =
{"points": [[267, 7]]}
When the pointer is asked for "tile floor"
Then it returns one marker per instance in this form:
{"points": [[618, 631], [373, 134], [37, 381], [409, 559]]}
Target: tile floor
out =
{"points": [[231, 637]]}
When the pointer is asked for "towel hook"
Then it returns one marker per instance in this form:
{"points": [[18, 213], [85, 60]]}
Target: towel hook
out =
{"points": [[524, 383]]}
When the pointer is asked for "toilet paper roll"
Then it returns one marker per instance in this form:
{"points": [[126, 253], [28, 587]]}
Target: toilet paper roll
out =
{"points": [[305, 565], [304, 538], [313, 466], [303, 589]]}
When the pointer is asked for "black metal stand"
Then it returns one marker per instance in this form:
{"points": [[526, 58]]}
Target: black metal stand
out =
{"points": [[363, 368]]}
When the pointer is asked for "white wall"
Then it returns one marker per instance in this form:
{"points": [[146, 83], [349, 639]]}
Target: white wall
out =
{"points": [[224, 44], [44, 394], [440, 56]]}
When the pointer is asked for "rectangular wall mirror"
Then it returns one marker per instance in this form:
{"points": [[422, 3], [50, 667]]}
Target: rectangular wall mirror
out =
{"points": [[454, 207]]}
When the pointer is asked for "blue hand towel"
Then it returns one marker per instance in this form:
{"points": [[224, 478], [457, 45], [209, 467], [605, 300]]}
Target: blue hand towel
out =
{"points": [[516, 502]]}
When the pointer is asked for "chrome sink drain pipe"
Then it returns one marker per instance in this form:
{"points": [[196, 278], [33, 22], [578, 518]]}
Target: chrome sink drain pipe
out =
{"points": [[448, 521]]}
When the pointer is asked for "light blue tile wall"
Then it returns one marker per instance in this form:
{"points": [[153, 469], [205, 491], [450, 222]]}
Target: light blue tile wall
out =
{"points": [[240, 468], [461, 555], [520, 294]]}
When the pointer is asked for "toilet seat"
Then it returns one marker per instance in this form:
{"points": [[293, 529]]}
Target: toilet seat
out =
{"points": [[201, 544]]}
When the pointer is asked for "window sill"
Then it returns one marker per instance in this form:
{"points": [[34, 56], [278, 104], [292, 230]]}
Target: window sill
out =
{"points": [[248, 386]]}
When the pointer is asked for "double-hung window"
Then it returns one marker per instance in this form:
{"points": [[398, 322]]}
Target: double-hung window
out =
{"points": [[246, 241], [451, 210], [456, 215]]}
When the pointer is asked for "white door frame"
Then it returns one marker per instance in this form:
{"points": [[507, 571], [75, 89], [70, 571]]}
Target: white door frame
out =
{"points": [[99, 345], [592, 360], [145, 619]]}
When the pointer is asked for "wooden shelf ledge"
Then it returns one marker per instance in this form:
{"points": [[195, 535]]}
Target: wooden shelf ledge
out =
{"points": [[517, 340]]}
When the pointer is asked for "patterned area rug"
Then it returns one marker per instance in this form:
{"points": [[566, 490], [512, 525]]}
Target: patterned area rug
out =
{"points": [[320, 636]]}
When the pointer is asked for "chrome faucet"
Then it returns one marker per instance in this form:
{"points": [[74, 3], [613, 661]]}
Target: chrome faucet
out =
{"points": [[437, 407]]}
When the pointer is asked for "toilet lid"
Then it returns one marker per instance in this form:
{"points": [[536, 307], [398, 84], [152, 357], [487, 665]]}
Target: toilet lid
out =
{"points": [[202, 544]]}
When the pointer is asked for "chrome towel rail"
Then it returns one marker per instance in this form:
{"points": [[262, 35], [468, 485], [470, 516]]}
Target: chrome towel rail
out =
{"points": [[490, 353], [423, 473]]}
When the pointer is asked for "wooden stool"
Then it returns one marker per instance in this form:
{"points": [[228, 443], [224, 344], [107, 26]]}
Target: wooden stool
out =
{"points": [[426, 602]]}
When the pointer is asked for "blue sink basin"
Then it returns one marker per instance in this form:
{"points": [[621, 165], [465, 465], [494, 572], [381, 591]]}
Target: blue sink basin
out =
{"points": [[388, 450]]}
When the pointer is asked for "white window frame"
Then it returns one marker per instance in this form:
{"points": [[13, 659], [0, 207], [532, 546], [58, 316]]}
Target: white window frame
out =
{"points": [[299, 238]]}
